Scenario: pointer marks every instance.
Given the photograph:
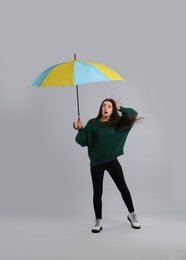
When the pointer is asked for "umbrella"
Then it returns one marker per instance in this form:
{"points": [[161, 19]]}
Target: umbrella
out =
{"points": [[74, 73]]}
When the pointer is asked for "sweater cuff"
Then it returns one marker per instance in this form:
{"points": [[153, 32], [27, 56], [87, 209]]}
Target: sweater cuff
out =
{"points": [[129, 111]]}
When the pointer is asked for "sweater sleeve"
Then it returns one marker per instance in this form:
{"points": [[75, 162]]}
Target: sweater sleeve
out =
{"points": [[128, 111], [81, 137]]}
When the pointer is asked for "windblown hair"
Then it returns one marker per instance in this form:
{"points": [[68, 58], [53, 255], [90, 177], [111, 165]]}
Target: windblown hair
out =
{"points": [[121, 123]]}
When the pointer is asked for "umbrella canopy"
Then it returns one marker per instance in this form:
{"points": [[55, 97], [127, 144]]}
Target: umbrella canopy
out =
{"points": [[74, 73]]}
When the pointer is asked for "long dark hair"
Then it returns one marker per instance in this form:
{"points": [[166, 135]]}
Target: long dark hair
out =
{"points": [[121, 123]]}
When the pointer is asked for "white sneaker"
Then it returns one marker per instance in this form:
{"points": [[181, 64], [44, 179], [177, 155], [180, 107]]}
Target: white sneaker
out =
{"points": [[98, 226], [133, 220]]}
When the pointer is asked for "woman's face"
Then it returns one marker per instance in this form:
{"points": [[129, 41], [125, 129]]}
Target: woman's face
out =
{"points": [[107, 109]]}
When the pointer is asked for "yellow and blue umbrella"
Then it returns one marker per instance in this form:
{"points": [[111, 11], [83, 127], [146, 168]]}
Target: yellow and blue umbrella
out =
{"points": [[74, 73]]}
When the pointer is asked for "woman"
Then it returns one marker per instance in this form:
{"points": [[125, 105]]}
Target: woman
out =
{"points": [[105, 137]]}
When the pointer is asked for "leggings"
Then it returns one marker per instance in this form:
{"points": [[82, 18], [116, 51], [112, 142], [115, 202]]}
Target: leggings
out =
{"points": [[115, 171]]}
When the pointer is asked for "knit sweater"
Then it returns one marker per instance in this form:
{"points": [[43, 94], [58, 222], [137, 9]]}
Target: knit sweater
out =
{"points": [[104, 142]]}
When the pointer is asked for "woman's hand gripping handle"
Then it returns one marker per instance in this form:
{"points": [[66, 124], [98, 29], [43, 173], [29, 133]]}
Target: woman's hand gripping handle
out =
{"points": [[77, 125]]}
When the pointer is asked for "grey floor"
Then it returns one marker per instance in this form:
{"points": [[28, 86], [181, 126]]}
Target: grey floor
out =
{"points": [[56, 239]]}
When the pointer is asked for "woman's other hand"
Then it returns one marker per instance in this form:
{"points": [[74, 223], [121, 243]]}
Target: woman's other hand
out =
{"points": [[117, 106]]}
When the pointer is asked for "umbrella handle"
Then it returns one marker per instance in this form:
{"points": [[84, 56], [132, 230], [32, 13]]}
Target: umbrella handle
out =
{"points": [[74, 124]]}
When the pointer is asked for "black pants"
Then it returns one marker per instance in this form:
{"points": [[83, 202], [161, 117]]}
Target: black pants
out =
{"points": [[116, 172]]}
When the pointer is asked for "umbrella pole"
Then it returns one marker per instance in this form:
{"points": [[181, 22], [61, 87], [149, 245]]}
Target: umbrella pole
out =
{"points": [[77, 95]]}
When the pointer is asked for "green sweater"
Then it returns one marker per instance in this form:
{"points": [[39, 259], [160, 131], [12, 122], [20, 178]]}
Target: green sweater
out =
{"points": [[104, 143]]}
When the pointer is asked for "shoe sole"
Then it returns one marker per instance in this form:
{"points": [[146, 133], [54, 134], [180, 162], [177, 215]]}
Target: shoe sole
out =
{"points": [[132, 225], [96, 231]]}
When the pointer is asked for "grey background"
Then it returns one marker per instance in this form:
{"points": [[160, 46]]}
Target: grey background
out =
{"points": [[45, 188]]}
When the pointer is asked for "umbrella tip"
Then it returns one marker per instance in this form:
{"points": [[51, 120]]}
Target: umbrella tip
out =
{"points": [[74, 56]]}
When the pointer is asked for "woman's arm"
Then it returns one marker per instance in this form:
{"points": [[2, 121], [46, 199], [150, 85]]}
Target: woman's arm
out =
{"points": [[127, 111], [81, 137]]}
